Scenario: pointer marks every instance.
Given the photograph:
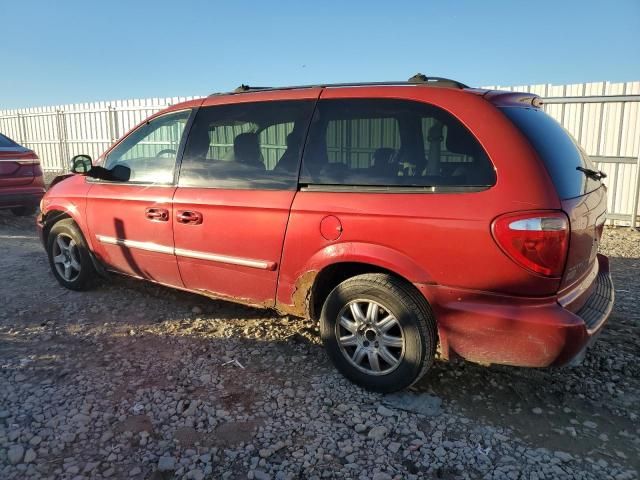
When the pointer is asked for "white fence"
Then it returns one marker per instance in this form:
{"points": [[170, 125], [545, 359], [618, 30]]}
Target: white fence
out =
{"points": [[58, 133], [604, 117]]}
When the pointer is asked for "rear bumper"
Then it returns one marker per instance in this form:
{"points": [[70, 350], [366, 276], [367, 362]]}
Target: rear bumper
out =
{"points": [[528, 332], [21, 197], [595, 312]]}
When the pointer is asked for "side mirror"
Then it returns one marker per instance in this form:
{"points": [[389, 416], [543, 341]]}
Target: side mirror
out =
{"points": [[81, 164], [120, 173]]}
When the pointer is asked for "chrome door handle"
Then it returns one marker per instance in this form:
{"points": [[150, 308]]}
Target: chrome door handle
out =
{"points": [[157, 214], [189, 217]]}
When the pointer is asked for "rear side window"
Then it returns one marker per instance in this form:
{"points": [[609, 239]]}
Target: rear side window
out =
{"points": [[558, 150], [246, 145], [392, 143]]}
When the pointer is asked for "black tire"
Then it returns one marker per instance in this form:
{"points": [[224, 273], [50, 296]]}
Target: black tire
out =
{"points": [[82, 278], [24, 211], [415, 324]]}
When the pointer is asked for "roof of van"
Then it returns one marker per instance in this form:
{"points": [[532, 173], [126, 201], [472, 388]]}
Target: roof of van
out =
{"points": [[497, 97], [418, 79]]}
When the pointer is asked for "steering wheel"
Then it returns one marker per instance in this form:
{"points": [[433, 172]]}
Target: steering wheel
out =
{"points": [[165, 151]]}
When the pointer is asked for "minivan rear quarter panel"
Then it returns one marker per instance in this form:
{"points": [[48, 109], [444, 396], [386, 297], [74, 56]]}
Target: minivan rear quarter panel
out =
{"points": [[441, 242], [446, 235]]}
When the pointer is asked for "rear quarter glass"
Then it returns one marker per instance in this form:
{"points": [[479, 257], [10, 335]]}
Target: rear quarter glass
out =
{"points": [[8, 146], [557, 149], [6, 142]]}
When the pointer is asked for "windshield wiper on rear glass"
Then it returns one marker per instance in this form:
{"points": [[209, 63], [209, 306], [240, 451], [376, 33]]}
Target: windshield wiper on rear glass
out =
{"points": [[595, 174]]}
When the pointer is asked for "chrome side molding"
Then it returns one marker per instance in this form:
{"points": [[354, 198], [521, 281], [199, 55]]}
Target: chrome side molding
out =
{"points": [[214, 257], [147, 246], [181, 252]]}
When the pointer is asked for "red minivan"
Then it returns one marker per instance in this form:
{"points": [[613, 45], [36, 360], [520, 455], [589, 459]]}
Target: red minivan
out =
{"points": [[408, 218], [21, 182]]}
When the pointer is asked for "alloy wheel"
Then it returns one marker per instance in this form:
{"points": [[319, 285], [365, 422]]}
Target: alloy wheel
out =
{"points": [[66, 257], [370, 337]]}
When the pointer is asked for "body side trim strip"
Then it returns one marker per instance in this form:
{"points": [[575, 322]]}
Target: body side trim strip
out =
{"points": [[213, 257], [147, 246]]}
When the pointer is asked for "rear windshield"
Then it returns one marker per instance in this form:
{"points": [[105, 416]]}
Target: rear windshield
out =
{"points": [[558, 150], [6, 142]]}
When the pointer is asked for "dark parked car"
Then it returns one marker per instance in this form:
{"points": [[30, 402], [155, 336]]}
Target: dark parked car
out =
{"points": [[405, 217], [21, 183]]}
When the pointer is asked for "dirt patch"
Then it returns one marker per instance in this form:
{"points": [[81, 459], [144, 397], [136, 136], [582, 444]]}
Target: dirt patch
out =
{"points": [[135, 424], [187, 436], [232, 434]]}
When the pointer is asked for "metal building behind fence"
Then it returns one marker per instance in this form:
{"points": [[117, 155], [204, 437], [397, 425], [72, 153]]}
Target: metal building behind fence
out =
{"points": [[604, 117]]}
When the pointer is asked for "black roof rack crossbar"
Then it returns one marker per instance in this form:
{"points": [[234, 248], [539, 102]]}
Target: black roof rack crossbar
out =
{"points": [[418, 79], [246, 88]]}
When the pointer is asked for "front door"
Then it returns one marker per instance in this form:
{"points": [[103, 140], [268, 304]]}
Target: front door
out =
{"points": [[237, 181], [130, 221]]}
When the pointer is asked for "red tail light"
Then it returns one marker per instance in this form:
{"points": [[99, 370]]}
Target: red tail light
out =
{"points": [[538, 241]]}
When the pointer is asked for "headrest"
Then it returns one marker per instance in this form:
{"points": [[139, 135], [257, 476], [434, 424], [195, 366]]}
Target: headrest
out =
{"points": [[294, 140], [199, 143], [460, 141], [246, 148], [383, 156], [246, 140]]}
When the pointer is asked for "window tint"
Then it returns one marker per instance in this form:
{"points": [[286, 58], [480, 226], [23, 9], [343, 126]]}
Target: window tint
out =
{"points": [[558, 150], [6, 142], [386, 142], [246, 145], [151, 150]]}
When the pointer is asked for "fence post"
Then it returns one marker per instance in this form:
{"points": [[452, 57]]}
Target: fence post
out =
{"points": [[110, 122], [636, 194], [61, 138], [21, 128], [113, 123], [116, 125]]}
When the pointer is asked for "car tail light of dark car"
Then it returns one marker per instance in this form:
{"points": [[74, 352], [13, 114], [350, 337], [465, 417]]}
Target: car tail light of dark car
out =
{"points": [[34, 163], [537, 241]]}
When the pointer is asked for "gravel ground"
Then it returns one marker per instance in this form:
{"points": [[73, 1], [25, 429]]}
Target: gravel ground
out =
{"points": [[134, 380]]}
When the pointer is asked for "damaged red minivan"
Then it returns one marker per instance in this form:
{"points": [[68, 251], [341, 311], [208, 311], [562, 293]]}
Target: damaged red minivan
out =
{"points": [[21, 182], [408, 218]]}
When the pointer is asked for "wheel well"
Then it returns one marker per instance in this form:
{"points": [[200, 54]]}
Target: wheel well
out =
{"points": [[54, 216], [331, 276], [50, 219]]}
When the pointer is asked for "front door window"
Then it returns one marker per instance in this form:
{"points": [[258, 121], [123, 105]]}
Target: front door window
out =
{"points": [[150, 152]]}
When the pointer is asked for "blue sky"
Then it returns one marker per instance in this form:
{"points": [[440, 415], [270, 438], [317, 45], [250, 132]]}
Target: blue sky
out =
{"points": [[77, 51]]}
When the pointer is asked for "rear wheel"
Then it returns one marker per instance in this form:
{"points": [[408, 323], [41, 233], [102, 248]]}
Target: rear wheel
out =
{"points": [[69, 256], [24, 211], [379, 332]]}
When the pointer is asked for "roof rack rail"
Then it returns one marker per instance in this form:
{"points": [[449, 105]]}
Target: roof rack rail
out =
{"points": [[420, 78], [246, 88], [417, 79]]}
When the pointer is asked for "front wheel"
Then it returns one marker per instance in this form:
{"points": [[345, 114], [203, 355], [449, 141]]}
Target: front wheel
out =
{"points": [[379, 332], [69, 256]]}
